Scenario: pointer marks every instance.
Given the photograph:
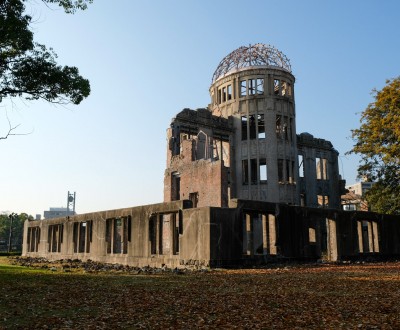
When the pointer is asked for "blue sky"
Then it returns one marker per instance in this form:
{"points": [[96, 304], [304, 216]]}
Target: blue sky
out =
{"points": [[147, 60]]}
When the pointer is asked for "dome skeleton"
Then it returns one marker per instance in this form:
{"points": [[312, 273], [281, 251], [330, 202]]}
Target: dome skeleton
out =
{"points": [[252, 55]]}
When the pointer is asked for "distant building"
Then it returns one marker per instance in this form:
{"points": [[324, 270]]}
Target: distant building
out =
{"points": [[57, 212], [354, 199]]}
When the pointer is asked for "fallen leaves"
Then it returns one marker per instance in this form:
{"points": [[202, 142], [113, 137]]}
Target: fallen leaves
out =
{"points": [[306, 297]]}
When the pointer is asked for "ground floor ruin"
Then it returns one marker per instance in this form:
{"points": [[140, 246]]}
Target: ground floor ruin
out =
{"points": [[175, 234]]}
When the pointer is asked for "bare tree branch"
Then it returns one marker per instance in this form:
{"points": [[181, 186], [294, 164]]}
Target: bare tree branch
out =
{"points": [[11, 130]]}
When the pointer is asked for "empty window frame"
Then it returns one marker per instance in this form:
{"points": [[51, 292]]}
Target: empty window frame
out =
{"points": [[55, 238], [245, 172], [288, 177], [261, 126], [323, 201], [279, 126], [118, 234], [260, 86], [321, 167], [263, 170], [229, 92], [252, 88], [284, 88], [175, 186], [312, 239], [301, 166], [259, 234], [318, 167], [243, 88], [324, 168], [194, 197], [82, 236], [252, 128], [164, 231], [276, 87], [33, 239], [244, 128], [253, 171], [286, 127], [280, 171], [289, 89]]}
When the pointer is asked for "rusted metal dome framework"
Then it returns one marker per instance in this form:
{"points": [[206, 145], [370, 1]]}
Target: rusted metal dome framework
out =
{"points": [[252, 55]]}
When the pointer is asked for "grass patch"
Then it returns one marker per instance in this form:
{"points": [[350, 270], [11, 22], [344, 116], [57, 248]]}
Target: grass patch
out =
{"points": [[346, 296]]}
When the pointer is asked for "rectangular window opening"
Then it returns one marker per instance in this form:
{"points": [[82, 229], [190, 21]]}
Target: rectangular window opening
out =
{"points": [[261, 126], [260, 86], [252, 128], [276, 86], [286, 127], [324, 168], [244, 128], [229, 91], [318, 169], [153, 234], [252, 86], [194, 197], [245, 172], [279, 126], [312, 239], [263, 170], [253, 171], [301, 166], [284, 88], [243, 88], [280, 170], [117, 237], [288, 176]]}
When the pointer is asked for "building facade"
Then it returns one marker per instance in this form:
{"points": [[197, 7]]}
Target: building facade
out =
{"points": [[245, 146], [241, 187]]}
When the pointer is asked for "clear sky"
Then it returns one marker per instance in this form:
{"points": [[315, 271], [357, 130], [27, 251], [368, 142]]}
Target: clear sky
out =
{"points": [[147, 60]]}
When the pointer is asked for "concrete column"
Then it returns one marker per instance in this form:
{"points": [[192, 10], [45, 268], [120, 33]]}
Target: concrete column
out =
{"points": [[332, 251], [370, 237], [265, 229], [360, 237], [250, 234], [375, 236], [272, 234]]}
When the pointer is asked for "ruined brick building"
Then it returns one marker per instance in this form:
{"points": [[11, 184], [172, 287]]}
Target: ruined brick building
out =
{"points": [[244, 145], [240, 187]]}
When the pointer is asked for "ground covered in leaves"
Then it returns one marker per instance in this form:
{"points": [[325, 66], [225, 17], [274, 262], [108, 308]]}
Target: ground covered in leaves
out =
{"points": [[363, 296]]}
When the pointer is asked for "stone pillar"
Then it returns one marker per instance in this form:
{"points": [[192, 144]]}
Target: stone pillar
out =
{"points": [[370, 237], [332, 250], [272, 234], [360, 237], [375, 236], [265, 234], [249, 232]]}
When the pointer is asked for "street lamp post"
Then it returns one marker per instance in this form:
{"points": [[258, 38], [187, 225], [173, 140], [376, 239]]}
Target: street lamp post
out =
{"points": [[11, 216]]}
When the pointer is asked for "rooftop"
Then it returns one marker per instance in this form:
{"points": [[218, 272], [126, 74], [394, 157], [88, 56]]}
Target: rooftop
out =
{"points": [[252, 56]]}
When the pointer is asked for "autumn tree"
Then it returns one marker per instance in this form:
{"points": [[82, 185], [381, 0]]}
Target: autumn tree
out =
{"points": [[378, 142], [28, 69]]}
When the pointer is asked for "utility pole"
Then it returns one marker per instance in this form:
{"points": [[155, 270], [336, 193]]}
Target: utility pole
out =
{"points": [[11, 216]]}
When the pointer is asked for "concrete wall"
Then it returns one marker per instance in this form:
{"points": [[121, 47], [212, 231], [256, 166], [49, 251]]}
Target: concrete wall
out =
{"points": [[245, 233]]}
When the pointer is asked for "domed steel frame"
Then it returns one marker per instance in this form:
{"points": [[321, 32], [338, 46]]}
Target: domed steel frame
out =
{"points": [[252, 55]]}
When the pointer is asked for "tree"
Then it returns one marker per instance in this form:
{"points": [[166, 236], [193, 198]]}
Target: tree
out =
{"points": [[17, 229], [378, 142], [28, 69]]}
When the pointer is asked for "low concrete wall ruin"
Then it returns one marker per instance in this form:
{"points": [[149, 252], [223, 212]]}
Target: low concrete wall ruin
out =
{"points": [[246, 233]]}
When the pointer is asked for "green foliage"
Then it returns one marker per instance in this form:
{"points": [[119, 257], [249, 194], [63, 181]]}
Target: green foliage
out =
{"points": [[71, 6], [17, 231], [378, 143], [29, 69]]}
